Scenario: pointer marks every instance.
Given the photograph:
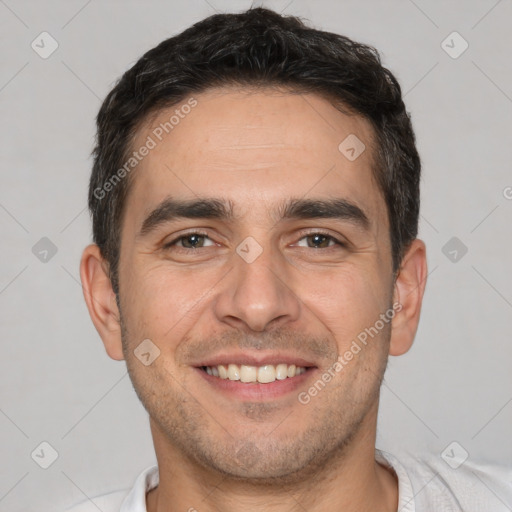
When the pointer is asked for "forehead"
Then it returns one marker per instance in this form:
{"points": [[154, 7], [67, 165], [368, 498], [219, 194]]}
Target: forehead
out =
{"points": [[254, 146]]}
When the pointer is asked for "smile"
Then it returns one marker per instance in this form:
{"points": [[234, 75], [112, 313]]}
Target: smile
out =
{"points": [[262, 374]]}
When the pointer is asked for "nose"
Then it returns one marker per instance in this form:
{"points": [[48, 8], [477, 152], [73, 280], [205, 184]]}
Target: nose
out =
{"points": [[258, 295]]}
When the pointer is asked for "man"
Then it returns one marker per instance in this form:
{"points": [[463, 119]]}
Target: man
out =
{"points": [[255, 202]]}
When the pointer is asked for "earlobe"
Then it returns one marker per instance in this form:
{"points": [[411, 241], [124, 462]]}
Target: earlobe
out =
{"points": [[409, 289], [101, 301]]}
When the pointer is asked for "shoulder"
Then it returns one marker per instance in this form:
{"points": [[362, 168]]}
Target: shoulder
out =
{"points": [[451, 480]]}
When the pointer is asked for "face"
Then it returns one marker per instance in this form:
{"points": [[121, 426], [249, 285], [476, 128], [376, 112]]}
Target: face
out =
{"points": [[285, 266]]}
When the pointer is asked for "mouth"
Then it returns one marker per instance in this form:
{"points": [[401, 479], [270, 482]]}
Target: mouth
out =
{"points": [[262, 374], [256, 379]]}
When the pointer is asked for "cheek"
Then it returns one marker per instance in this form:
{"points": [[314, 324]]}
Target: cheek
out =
{"points": [[162, 303], [346, 300]]}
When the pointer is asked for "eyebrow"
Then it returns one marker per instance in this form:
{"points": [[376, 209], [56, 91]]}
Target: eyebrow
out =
{"points": [[171, 209]]}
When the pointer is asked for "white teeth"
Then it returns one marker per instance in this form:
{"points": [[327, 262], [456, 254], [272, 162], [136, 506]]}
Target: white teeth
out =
{"points": [[266, 374], [248, 373], [233, 372], [223, 371], [262, 374], [281, 371]]}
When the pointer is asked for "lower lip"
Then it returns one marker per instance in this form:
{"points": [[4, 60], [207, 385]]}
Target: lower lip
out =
{"points": [[256, 391]]}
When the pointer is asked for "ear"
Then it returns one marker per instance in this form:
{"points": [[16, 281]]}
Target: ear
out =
{"points": [[409, 289], [101, 300]]}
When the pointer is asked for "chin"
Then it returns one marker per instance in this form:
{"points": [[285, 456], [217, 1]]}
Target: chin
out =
{"points": [[265, 464]]}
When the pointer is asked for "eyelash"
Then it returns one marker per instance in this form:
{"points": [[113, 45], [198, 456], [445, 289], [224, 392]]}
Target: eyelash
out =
{"points": [[303, 235]]}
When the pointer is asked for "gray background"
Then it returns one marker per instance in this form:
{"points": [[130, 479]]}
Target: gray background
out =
{"points": [[56, 382]]}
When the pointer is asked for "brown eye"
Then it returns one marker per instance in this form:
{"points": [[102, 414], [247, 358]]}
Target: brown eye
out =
{"points": [[319, 240], [190, 241]]}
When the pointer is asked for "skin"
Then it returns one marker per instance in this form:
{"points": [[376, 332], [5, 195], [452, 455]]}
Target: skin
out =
{"points": [[219, 453]]}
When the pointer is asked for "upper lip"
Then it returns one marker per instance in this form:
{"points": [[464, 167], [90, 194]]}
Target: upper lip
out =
{"points": [[255, 359]]}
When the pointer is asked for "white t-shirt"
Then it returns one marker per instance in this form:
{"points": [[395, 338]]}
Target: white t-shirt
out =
{"points": [[425, 484]]}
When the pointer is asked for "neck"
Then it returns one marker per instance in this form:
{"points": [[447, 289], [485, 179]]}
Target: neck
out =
{"points": [[351, 480]]}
